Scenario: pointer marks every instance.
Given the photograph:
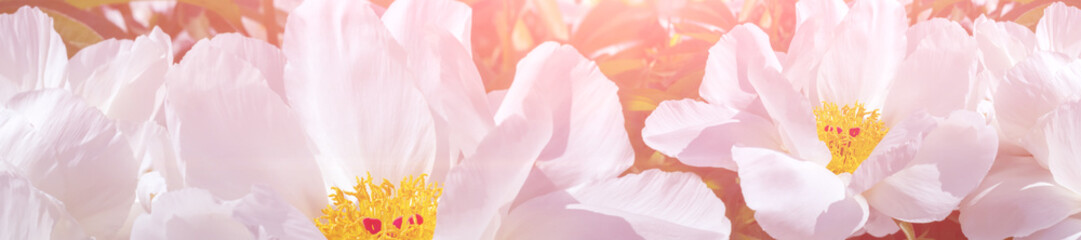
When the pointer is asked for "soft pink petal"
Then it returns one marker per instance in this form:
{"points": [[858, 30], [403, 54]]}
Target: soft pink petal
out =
{"points": [[349, 81], [1058, 132], [1033, 88], [189, 214], [894, 153], [478, 191], [740, 52], [1070, 228], [1057, 31], [89, 165], [267, 211], [264, 57], [952, 160], [232, 131], [122, 77], [411, 20], [880, 225], [30, 213], [866, 51], [701, 134], [33, 54], [1018, 198], [792, 115], [816, 21], [938, 74], [795, 199], [650, 205], [588, 140], [1002, 44]]}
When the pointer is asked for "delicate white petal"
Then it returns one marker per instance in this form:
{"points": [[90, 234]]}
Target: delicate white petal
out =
{"points": [[865, 53], [701, 134], [1002, 44], [588, 140], [151, 184], [740, 52], [264, 57], [1056, 31], [265, 210], [796, 199], [952, 160], [153, 147], [89, 165], [652, 205], [478, 191], [355, 94], [437, 33], [816, 21], [122, 77], [938, 73], [1069, 228], [879, 225], [189, 214], [29, 213], [1033, 88], [1059, 132], [893, 153], [1018, 198], [792, 115], [231, 131], [33, 54]]}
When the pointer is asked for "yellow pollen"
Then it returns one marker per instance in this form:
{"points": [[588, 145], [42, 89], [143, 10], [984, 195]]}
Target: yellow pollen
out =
{"points": [[851, 133], [381, 211]]}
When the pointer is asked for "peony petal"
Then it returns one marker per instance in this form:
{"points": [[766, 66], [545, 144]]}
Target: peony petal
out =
{"points": [[895, 152], [232, 134], [478, 191], [1002, 44], [792, 115], [1058, 132], [653, 205], [937, 75], [33, 54], [951, 162], [189, 214], [740, 52], [816, 21], [89, 165], [266, 211], [355, 95], [587, 119], [122, 77], [1033, 88], [862, 61], [701, 134], [1056, 32], [30, 213], [264, 57], [1069, 228], [879, 225], [437, 33], [1018, 198], [796, 199]]}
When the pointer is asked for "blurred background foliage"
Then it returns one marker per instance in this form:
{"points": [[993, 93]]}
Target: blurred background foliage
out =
{"points": [[654, 50]]}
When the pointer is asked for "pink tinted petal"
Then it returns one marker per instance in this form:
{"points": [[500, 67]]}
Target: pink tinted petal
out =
{"points": [[35, 57], [952, 160], [349, 82], [792, 115], [796, 199], [122, 77], [30, 213], [742, 51], [1018, 198], [477, 191], [1058, 132], [867, 49], [1002, 44], [880, 225], [1033, 88], [701, 134], [264, 57], [1056, 31], [1069, 228], [896, 150], [937, 76], [231, 131], [588, 140], [816, 21]]}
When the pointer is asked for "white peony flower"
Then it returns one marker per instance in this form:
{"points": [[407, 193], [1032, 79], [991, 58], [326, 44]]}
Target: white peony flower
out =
{"points": [[865, 120], [34, 58]]}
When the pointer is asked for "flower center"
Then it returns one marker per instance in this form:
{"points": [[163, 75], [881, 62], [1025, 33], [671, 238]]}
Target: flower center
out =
{"points": [[851, 133], [381, 211]]}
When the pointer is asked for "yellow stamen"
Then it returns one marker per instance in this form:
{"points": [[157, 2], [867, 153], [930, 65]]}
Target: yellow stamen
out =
{"points": [[851, 133], [381, 211]]}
